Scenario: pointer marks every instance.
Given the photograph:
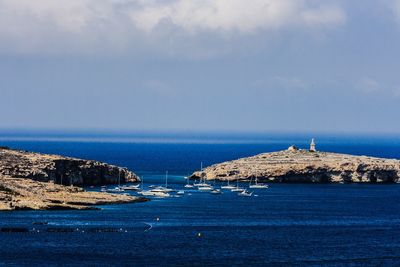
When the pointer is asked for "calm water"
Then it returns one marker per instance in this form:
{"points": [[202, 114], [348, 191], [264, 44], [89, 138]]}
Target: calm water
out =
{"points": [[298, 225]]}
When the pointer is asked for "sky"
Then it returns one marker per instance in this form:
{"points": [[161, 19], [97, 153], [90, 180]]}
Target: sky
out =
{"points": [[200, 65]]}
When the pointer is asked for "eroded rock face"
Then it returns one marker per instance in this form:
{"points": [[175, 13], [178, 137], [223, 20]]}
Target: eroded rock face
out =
{"points": [[302, 166], [61, 170]]}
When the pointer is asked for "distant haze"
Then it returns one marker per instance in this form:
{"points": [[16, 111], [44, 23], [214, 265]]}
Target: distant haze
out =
{"points": [[200, 65]]}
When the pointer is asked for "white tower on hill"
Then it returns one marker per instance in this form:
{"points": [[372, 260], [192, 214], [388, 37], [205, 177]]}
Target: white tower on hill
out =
{"points": [[312, 146]]}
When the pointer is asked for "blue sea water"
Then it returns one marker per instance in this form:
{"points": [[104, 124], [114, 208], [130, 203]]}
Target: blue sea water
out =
{"points": [[285, 225]]}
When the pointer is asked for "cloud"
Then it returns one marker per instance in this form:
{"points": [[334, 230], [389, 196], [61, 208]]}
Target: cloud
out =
{"points": [[368, 85], [76, 25], [234, 15], [286, 83], [396, 9]]}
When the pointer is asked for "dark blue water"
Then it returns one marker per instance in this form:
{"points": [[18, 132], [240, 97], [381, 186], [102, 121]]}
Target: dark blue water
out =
{"points": [[295, 225]]}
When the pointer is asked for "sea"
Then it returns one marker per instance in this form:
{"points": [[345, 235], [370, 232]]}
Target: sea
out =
{"points": [[284, 225]]}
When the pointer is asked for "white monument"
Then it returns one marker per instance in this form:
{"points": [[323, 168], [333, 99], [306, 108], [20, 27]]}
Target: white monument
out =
{"points": [[312, 146]]}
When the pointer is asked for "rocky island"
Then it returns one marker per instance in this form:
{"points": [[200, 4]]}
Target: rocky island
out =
{"points": [[40, 181], [305, 166]]}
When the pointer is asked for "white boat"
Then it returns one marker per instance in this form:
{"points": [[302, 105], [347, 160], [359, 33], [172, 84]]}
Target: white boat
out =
{"points": [[165, 188], [131, 187], [188, 185], [202, 182], [216, 191], [245, 193], [180, 192], [162, 189], [257, 185], [228, 186], [154, 193], [115, 190], [237, 188], [205, 188]]}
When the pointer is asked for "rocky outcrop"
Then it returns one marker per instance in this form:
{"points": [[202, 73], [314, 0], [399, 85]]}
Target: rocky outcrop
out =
{"points": [[303, 166], [26, 194], [60, 170]]}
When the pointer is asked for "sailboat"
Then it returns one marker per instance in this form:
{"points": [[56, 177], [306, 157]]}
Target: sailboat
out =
{"points": [[205, 188], [245, 193], [165, 188], [202, 182], [188, 185], [153, 192], [237, 188], [228, 186], [216, 191], [131, 187], [257, 185], [118, 188]]}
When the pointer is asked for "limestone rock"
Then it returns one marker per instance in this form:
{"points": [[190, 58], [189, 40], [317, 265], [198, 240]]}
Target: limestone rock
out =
{"points": [[26, 194], [303, 166], [61, 170]]}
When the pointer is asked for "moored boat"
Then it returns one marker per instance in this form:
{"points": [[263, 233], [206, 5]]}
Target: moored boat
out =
{"points": [[245, 193]]}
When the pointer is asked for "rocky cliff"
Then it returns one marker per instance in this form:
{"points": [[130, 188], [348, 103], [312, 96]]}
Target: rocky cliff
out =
{"points": [[61, 170], [303, 166]]}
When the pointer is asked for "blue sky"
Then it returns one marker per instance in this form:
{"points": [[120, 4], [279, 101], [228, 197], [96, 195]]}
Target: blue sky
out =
{"points": [[222, 65]]}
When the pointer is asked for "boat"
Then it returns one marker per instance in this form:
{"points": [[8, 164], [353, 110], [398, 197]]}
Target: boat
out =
{"points": [[165, 188], [180, 192], [202, 184], [188, 185], [228, 186], [154, 193], [257, 185], [115, 190], [237, 188], [245, 193], [216, 191], [103, 188], [205, 188], [131, 187]]}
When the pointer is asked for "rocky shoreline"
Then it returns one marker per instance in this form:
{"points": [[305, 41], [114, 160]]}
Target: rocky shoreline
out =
{"points": [[34, 181], [25, 194], [304, 166], [61, 170]]}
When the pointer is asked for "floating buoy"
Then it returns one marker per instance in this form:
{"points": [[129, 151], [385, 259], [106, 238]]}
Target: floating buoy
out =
{"points": [[199, 234], [158, 219]]}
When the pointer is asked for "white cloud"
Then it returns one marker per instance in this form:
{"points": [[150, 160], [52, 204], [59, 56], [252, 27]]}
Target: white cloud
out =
{"points": [[64, 25], [368, 85], [235, 15], [396, 8]]}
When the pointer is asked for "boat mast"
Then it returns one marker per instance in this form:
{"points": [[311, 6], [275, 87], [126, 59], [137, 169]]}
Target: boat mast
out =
{"points": [[166, 179], [119, 177]]}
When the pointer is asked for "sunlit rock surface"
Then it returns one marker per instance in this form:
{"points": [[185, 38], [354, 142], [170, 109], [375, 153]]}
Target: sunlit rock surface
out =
{"points": [[303, 166], [61, 170]]}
